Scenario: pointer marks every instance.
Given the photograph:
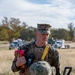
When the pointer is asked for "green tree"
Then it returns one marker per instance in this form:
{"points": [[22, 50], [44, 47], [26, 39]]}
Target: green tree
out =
{"points": [[3, 33], [28, 33], [13, 27], [71, 30], [60, 33]]}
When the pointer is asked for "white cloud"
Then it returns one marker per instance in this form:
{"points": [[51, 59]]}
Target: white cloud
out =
{"points": [[58, 13]]}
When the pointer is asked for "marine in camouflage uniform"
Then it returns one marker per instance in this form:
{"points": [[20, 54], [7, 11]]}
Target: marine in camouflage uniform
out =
{"points": [[31, 48]]}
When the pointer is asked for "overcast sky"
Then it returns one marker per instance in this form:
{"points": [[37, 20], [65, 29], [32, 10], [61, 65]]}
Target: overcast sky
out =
{"points": [[58, 13]]}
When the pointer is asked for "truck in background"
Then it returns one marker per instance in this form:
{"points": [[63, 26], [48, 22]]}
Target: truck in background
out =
{"points": [[15, 44], [60, 43]]}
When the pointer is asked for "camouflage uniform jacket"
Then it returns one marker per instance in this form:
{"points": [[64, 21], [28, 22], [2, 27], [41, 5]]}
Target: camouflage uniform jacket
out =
{"points": [[52, 57]]}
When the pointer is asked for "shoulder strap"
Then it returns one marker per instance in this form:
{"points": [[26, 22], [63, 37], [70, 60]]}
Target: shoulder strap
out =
{"points": [[45, 52]]}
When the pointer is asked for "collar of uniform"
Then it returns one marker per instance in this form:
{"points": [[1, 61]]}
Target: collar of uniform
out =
{"points": [[39, 46]]}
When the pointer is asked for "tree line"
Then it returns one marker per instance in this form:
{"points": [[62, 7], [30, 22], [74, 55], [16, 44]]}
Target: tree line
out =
{"points": [[14, 28]]}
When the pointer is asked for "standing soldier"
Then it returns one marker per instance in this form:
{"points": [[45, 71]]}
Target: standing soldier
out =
{"points": [[38, 50]]}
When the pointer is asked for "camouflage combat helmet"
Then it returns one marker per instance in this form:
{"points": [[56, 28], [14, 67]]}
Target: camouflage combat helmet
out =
{"points": [[41, 68]]}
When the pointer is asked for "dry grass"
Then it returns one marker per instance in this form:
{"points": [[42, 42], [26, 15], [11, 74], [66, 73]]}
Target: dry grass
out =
{"points": [[7, 56], [67, 59]]}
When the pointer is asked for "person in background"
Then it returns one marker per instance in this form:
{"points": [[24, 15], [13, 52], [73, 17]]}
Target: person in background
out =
{"points": [[34, 51], [51, 41]]}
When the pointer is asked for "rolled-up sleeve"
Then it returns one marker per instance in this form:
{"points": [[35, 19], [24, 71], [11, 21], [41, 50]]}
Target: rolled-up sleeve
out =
{"points": [[14, 68]]}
